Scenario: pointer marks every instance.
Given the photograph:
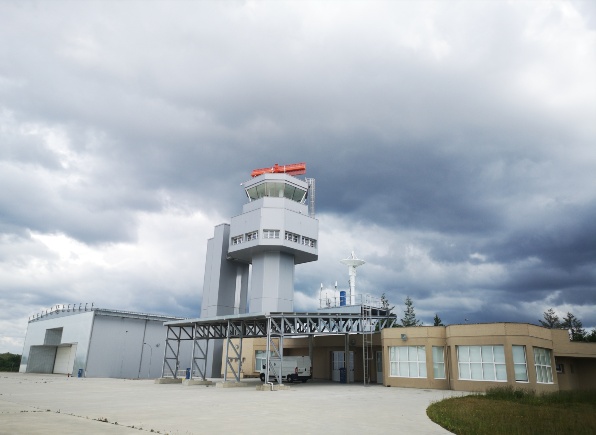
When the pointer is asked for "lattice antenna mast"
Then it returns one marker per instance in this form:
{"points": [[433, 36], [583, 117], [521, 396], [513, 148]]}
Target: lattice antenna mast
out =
{"points": [[311, 196]]}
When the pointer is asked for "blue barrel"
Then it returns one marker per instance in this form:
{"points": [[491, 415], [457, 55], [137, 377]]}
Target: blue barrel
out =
{"points": [[342, 298], [188, 373], [80, 374]]}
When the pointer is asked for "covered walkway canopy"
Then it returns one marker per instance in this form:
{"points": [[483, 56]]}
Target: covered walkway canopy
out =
{"points": [[274, 326]]}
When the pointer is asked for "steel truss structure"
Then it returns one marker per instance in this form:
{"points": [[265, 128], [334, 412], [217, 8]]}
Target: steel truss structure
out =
{"points": [[274, 326]]}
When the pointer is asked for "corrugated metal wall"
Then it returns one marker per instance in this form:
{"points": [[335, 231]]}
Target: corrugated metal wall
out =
{"points": [[41, 359], [117, 349]]}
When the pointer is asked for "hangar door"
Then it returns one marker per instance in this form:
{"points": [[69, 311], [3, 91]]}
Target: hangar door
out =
{"points": [[65, 359]]}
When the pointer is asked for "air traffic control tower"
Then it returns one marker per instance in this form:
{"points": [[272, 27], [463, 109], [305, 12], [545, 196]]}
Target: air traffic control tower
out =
{"points": [[276, 230]]}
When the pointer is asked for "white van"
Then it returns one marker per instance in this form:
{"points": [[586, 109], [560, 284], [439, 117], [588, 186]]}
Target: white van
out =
{"points": [[295, 368]]}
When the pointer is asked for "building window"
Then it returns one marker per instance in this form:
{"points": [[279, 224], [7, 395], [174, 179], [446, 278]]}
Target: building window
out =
{"points": [[560, 368], [519, 363], [438, 362], [254, 235], [407, 361], [277, 190], [292, 237], [271, 234], [481, 363], [544, 371], [237, 240], [309, 242]]}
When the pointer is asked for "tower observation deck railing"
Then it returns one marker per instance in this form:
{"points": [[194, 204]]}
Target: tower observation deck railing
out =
{"points": [[360, 299]]}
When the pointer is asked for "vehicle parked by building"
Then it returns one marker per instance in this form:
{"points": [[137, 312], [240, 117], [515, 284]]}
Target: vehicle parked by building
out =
{"points": [[292, 369]]}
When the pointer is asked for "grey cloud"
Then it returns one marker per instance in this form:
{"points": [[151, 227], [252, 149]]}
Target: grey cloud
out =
{"points": [[469, 137]]}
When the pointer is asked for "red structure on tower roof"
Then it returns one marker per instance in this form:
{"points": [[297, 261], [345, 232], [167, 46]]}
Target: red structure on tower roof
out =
{"points": [[293, 169]]}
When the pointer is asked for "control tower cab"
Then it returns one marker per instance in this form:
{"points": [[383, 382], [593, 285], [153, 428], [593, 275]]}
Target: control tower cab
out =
{"points": [[274, 232]]}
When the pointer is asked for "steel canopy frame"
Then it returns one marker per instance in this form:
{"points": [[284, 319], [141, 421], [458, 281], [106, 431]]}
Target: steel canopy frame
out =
{"points": [[273, 326]]}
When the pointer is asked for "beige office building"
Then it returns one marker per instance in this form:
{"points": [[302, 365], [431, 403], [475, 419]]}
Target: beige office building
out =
{"points": [[469, 357]]}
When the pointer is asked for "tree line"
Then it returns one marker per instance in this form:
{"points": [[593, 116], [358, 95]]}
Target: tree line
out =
{"points": [[569, 322], [551, 321], [9, 362]]}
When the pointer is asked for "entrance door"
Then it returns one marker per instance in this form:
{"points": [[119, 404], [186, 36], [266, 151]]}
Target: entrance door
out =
{"points": [[338, 362], [379, 367], [64, 359]]}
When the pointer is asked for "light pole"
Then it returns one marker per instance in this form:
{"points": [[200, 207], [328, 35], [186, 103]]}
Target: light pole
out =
{"points": [[150, 358]]}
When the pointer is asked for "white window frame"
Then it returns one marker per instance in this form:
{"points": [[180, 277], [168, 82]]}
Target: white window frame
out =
{"points": [[407, 361], [271, 234], [543, 365], [474, 360], [309, 242], [253, 235], [439, 362], [519, 362], [292, 237], [237, 240]]}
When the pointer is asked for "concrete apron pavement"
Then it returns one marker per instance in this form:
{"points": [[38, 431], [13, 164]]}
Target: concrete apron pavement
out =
{"points": [[48, 404]]}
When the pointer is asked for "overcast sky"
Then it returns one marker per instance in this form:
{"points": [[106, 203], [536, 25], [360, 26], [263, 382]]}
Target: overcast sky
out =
{"points": [[453, 146]]}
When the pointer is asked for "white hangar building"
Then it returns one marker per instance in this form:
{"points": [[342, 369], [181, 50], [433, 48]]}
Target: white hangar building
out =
{"points": [[95, 342]]}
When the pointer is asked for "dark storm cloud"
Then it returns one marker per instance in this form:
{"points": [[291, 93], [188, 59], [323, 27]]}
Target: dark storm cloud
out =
{"points": [[563, 237], [452, 146]]}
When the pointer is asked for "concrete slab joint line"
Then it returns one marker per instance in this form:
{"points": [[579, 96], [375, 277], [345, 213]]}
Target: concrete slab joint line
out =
{"points": [[95, 405]]}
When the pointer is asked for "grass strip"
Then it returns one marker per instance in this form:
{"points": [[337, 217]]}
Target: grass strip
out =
{"points": [[509, 411]]}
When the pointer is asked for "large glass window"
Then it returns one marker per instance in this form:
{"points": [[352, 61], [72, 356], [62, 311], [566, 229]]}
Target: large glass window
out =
{"points": [[519, 363], [254, 235], [261, 190], [407, 361], [252, 193], [438, 362], [481, 363], [542, 363], [276, 189], [237, 240]]}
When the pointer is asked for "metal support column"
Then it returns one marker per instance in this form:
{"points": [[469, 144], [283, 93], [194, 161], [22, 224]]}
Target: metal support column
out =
{"points": [[367, 339], [274, 352], [236, 350], [200, 350], [171, 356], [311, 339], [347, 357]]}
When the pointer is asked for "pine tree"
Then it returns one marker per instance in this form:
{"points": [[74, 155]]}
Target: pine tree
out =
{"points": [[575, 327], [409, 318], [438, 321], [551, 320]]}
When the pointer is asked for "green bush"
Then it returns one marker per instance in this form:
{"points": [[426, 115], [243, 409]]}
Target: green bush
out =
{"points": [[9, 362]]}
